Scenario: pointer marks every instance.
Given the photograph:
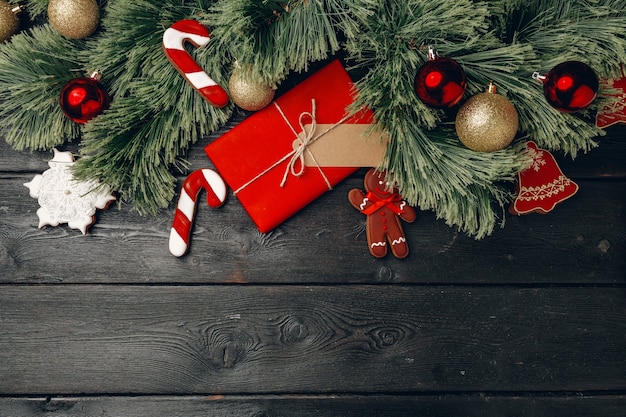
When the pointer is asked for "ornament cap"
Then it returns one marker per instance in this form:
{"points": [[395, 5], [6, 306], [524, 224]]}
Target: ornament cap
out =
{"points": [[17, 8], [96, 75], [432, 53], [492, 88], [540, 77]]}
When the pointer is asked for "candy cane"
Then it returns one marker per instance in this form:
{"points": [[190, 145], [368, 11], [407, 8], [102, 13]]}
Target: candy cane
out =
{"points": [[198, 180], [174, 39]]}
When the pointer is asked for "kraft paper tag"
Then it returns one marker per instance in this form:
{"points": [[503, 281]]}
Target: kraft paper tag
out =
{"points": [[345, 145]]}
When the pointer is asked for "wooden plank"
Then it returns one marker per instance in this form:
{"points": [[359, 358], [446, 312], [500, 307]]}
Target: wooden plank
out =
{"points": [[608, 161], [336, 405], [240, 339], [582, 241], [24, 161]]}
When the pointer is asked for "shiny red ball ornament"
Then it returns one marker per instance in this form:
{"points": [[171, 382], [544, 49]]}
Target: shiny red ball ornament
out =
{"points": [[570, 86], [440, 82], [82, 99]]}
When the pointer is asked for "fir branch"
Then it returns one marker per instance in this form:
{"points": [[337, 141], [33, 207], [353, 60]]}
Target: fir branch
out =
{"points": [[389, 47], [131, 30], [121, 160], [36, 8], [432, 169], [435, 173], [166, 114], [155, 115], [34, 66], [588, 31], [277, 37]]}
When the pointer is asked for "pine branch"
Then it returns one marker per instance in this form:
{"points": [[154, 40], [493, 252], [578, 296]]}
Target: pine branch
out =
{"points": [[119, 159], [278, 37], [155, 115], [592, 32], [34, 66], [432, 169], [166, 114], [36, 8]]}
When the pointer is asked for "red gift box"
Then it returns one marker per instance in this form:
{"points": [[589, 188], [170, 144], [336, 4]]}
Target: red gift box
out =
{"points": [[260, 160]]}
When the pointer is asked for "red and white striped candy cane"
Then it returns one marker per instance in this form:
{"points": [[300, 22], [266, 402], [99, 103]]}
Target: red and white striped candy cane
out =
{"points": [[174, 39], [198, 180]]}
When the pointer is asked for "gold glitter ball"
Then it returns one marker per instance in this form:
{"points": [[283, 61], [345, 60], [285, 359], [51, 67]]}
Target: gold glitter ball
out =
{"points": [[9, 23], [74, 19], [487, 122], [247, 94]]}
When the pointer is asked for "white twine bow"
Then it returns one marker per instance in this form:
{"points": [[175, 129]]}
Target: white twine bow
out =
{"points": [[305, 138], [296, 165]]}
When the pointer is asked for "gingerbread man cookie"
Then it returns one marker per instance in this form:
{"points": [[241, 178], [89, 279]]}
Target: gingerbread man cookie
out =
{"points": [[384, 208]]}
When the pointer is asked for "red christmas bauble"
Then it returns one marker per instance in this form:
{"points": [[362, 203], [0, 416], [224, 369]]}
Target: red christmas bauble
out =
{"points": [[440, 82], [570, 86], [82, 99]]}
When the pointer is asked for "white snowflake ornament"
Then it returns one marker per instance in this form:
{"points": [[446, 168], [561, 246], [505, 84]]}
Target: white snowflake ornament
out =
{"points": [[64, 199]]}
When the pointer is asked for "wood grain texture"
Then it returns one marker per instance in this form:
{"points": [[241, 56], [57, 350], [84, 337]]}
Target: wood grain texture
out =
{"points": [[583, 240], [529, 322], [329, 406], [309, 339], [577, 242]]}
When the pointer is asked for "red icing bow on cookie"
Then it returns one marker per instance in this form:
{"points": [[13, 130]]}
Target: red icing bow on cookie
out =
{"points": [[384, 210], [378, 202]]}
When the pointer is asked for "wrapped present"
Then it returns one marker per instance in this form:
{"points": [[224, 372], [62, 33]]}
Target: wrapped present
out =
{"points": [[263, 158]]}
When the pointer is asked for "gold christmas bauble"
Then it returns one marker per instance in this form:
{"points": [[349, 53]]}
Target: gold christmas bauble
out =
{"points": [[74, 19], [487, 122], [9, 23], [247, 94]]}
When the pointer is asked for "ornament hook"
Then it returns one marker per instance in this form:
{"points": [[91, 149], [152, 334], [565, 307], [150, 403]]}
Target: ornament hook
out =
{"points": [[539, 77], [432, 53], [96, 75]]}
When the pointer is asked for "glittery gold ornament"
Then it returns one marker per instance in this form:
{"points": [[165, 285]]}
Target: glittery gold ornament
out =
{"points": [[487, 122], [9, 23], [74, 19], [248, 94]]}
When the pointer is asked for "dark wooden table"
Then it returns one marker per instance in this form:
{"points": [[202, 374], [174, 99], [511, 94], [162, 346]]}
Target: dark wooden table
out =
{"points": [[303, 321]]}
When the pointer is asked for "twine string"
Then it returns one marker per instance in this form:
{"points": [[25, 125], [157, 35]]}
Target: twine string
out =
{"points": [[296, 165]]}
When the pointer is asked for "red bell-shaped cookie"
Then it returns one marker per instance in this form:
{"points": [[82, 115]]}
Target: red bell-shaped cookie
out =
{"points": [[542, 185], [615, 112]]}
